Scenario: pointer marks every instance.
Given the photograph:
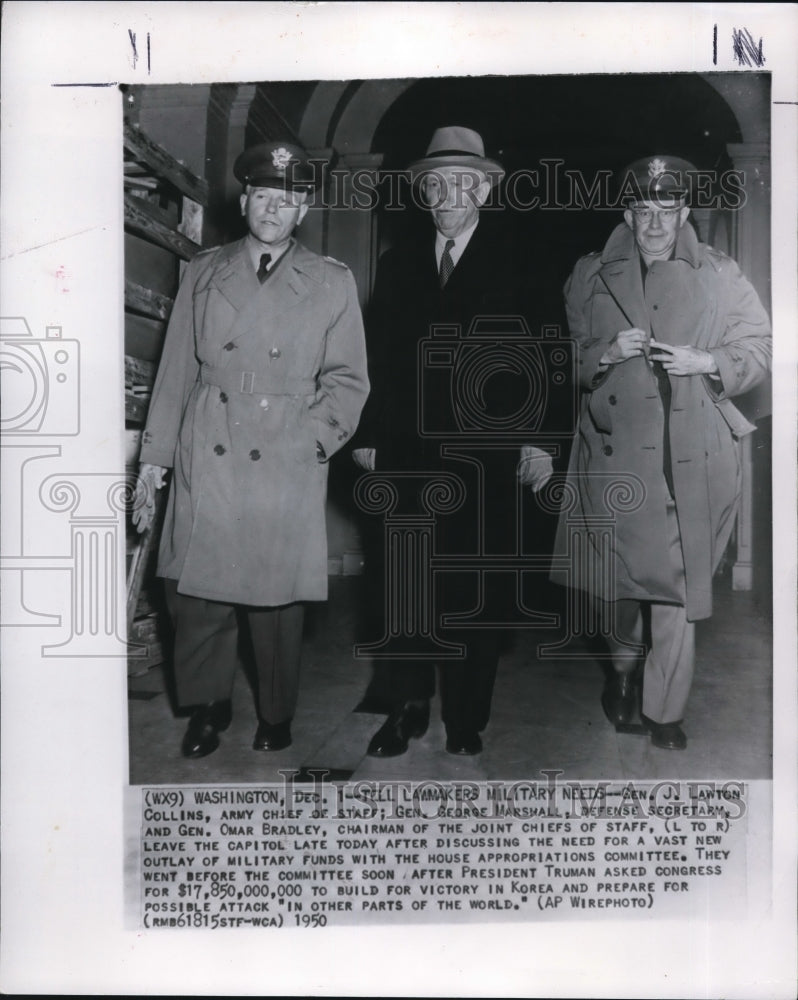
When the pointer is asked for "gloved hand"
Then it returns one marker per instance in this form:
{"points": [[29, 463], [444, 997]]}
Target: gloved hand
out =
{"points": [[535, 468], [365, 458], [151, 479]]}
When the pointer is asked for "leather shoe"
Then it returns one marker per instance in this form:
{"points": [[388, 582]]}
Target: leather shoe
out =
{"points": [[619, 698], [465, 743], [666, 735], [272, 736], [393, 737], [204, 726]]}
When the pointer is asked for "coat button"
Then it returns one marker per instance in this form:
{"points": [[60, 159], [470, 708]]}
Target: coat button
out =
{"points": [[612, 400], [655, 307], [275, 353], [222, 397], [264, 403], [219, 449], [229, 346], [607, 449]]}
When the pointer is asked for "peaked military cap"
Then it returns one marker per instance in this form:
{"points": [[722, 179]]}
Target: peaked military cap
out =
{"points": [[276, 164], [656, 178]]}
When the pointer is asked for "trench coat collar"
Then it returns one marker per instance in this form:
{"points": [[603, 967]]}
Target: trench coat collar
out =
{"points": [[235, 277], [620, 271]]}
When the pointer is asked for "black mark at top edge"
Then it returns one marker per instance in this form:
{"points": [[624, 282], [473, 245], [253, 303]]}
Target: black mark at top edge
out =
{"points": [[112, 83]]}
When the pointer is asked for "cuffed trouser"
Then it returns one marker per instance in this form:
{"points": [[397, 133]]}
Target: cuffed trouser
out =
{"points": [[670, 661], [206, 651]]}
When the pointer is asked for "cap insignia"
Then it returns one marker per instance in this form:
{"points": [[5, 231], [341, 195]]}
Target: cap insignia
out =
{"points": [[281, 158], [656, 168]]}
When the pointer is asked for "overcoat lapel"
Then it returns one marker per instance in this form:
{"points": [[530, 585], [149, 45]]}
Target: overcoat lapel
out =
{"points": [[468, 266], [234, 276], [287, 288], [427, 268], [623, 282]]}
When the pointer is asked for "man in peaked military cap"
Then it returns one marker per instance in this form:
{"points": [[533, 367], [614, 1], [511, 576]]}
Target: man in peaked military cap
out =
{"points": [[669, 331], [262, 379]]}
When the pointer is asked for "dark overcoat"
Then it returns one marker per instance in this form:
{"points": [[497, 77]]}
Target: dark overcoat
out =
{"points": [[414, 391], [251, 378], [699, 297]]}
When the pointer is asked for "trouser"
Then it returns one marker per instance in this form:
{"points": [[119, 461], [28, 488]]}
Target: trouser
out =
{"points": [[206, 651], [466, 685], [670, 659]]}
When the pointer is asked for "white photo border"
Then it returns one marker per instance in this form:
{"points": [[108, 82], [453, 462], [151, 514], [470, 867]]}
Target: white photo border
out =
{"points": [[64, 748]]}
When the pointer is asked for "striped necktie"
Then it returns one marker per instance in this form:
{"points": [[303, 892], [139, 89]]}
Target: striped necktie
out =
{"points": [[447, 264], [263, 269]]}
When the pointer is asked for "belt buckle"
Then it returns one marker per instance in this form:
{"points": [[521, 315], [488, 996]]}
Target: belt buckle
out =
{"points": [[247, 382]]}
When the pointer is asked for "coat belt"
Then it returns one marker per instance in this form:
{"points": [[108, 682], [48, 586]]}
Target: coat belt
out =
{"points": [[249, 383]]}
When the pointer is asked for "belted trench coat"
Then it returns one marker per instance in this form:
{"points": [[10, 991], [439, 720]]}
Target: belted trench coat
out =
{"points": [[613, 520], [251, 378]]}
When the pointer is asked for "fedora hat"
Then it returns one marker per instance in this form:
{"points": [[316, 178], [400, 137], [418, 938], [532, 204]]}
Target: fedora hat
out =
{"points": [[456, 146]]}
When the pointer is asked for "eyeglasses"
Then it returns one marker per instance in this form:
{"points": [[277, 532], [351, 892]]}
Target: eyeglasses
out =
{"points": [[647, 214]]}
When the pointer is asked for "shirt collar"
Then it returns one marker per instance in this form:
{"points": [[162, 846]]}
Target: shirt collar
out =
{"points": [[256, 249]]}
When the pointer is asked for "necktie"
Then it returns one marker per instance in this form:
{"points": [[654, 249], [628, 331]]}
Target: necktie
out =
{"points": [[447, 264], [263, 269]]}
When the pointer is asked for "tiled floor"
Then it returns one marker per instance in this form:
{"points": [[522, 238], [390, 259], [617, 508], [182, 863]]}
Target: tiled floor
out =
{"points": [[546, 713]]}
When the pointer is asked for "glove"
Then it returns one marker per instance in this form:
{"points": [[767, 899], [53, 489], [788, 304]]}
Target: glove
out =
{"points": [[535, 468], [151, 479], [365, 458]]}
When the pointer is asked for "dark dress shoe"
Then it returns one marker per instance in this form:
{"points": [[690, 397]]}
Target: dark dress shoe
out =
{"points": [[204, 726], [393, 737], [619, 699], [272, 736], [666, 735], [465, 743]]}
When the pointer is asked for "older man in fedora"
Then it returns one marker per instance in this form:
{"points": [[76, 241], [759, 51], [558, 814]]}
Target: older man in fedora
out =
{"points": [[262, 379], [669, 331], [463, 271]]}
